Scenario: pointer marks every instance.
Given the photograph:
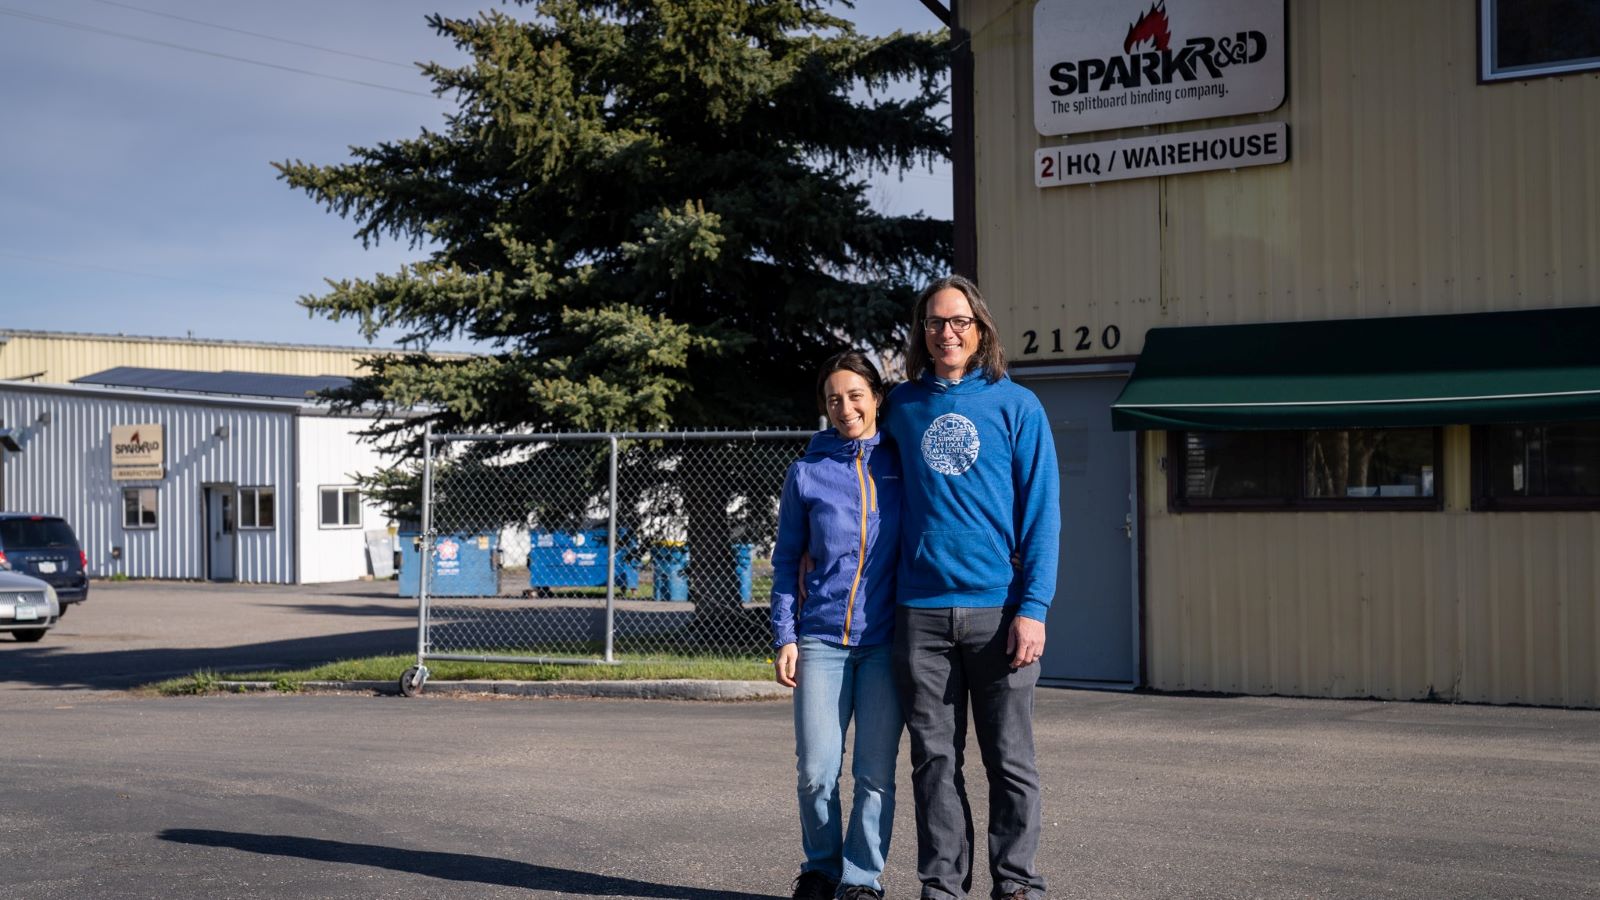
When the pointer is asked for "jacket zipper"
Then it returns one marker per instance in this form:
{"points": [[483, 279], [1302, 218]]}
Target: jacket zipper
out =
{"points": [[861, 560]]}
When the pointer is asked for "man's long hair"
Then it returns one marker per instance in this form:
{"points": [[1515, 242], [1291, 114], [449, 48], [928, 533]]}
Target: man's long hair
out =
{"points": [[990, 355]]}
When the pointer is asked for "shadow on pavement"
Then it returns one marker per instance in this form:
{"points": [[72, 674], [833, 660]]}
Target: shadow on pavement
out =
{"points": [[451, 866], [46, 666]]}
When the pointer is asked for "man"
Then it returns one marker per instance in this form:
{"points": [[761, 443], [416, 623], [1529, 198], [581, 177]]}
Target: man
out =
{"points": [[980, 527]]}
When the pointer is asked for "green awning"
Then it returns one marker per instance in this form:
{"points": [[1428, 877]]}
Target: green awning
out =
{"points": [[1520, 366]]}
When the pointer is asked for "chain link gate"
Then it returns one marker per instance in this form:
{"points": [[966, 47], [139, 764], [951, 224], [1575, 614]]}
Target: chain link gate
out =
{"points": [[594, 548]]}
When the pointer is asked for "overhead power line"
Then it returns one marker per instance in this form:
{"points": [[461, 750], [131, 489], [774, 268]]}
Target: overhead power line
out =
{"points": [[255, 34], [79, 26]]}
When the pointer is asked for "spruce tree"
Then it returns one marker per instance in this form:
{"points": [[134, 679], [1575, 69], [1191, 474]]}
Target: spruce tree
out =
{"points": [[651, 214]]}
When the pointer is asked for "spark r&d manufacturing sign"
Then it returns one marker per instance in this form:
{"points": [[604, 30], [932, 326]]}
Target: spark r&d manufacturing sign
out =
{"points": [[138, 452], [1126, 63]]}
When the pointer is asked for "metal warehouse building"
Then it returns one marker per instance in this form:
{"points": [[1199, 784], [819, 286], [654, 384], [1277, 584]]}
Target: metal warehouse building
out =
{"points": [[1311, 291], [190, 475]]}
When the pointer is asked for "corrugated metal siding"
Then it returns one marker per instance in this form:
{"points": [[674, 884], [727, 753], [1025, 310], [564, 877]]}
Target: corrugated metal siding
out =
{"points": [[1410, 189], [1481, 607], [61, 358], [65, 469]]}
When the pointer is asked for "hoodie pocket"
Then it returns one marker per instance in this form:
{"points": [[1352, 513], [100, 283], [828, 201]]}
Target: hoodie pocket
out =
{"points": [[959, 561]]}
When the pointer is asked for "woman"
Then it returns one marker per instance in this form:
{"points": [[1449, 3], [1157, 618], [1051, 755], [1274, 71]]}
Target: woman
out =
{"points": [[840, 507]]}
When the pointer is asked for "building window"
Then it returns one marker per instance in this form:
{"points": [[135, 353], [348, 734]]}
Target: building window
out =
{"points": [[1526, 38], [138, 507], [1377, 468], [341, 507], [258, 508], [1553, 465]]}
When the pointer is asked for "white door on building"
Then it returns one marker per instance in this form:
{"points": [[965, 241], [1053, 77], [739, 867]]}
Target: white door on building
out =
{"points": [[1092, 634], [219, 533]]}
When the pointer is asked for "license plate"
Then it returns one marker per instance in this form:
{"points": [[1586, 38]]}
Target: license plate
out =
{"points": [[46, 566], [27, 613]]}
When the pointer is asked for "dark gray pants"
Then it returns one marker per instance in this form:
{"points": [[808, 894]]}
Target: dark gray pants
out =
{"points": [[945, 661]]}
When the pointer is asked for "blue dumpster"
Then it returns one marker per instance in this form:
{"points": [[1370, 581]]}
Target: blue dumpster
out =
{"points": [[671, 581], [576, 559], [463, 565]]}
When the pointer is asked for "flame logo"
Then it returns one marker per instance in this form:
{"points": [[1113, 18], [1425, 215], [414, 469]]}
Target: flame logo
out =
{"points": [[134, 439], [1152, 27]]}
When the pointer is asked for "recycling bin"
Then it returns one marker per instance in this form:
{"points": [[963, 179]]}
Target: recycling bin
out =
{"points": [[671, 562]]}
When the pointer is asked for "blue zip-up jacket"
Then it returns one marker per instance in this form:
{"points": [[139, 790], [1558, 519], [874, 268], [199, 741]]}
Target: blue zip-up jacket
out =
{"points": [[981, 489], [841, 504]]}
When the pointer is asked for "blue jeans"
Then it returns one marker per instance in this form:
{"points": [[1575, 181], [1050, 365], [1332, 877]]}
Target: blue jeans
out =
{"points": [[948, 661], [837, 683]]}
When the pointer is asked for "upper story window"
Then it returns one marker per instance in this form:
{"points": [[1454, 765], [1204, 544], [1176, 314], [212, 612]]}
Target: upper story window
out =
{"points": [[1369, 468], [1527, 38], [1553, 465]]}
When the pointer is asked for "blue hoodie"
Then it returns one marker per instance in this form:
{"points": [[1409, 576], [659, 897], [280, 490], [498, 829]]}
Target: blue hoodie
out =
{"points": [[982, 518], [841, 504]]}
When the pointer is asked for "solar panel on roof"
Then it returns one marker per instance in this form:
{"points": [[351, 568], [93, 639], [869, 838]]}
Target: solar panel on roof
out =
{"points": [[244, 384]]}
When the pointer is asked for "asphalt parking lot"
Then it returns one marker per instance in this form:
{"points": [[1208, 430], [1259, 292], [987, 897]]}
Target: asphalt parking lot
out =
{"points": [[111, 795]]}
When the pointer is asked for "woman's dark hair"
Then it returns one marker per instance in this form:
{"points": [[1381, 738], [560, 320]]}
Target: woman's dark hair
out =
{"points": [[848, 361], [990, 356]]}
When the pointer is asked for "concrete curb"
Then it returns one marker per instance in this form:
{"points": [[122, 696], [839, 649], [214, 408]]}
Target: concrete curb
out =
{"points": [[674, 689]]}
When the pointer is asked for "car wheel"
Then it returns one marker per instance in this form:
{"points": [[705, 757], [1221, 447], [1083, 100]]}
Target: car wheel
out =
{"points": [[28, 637]]}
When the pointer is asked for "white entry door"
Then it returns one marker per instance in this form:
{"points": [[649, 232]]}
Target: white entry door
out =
{"points": [[219, 533]]}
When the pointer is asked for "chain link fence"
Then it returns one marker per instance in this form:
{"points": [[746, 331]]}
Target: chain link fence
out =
{"points": [[596, 547]]}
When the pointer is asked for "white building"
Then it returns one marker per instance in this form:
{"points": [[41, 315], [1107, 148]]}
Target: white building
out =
{"points": [[193, 483]]}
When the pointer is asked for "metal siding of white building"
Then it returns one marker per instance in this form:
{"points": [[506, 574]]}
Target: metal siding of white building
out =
{"points": [[330, 455], [65, 469]]}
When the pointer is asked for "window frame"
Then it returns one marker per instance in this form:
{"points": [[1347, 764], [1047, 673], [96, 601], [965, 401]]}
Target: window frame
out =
{"points": [[1483, 501], [1178, 457], [342, 490], [1487, 74], [154, 509], [255, 508]]}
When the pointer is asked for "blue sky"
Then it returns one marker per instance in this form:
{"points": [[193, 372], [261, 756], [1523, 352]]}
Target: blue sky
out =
{"points": [[138, 195]]}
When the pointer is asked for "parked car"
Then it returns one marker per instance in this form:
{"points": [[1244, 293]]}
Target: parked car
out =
{"points": [[46, 548], [28, 606]]}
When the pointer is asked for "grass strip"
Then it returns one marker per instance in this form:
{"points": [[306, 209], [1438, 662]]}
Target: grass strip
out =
{"points": [[390, 668]]}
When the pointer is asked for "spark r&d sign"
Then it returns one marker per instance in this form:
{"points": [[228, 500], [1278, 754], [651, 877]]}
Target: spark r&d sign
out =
{"points": [[138, 453], [1124, 63]]}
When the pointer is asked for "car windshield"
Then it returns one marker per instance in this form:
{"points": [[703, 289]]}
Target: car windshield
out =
{"points": [[30, 534]]}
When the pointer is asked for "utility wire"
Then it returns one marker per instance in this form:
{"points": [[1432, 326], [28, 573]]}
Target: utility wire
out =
{"points": [[21, 14], [255, 34]]}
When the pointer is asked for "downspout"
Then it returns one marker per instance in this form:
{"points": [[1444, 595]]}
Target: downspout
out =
{"points": [[295, 510], [963, 145]]}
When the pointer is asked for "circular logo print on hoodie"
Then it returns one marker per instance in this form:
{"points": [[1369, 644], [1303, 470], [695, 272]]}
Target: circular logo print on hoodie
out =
{"points": [[950, 445]]}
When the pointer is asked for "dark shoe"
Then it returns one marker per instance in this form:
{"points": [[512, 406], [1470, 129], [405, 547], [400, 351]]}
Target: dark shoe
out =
{"points": [[861, 892], [1018, 894], [814, 886]]}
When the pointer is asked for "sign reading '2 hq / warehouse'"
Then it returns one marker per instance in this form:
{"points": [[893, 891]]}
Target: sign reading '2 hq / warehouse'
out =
{"points": [[1126, 63]]}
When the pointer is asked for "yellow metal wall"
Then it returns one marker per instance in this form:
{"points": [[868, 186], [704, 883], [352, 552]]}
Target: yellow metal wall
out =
{"points": [[1483, 607], [1410, 189], [57, 358]]}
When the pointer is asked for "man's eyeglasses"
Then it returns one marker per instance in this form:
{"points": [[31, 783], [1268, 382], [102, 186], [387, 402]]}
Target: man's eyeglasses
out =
{"points": [[958, 324]]}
